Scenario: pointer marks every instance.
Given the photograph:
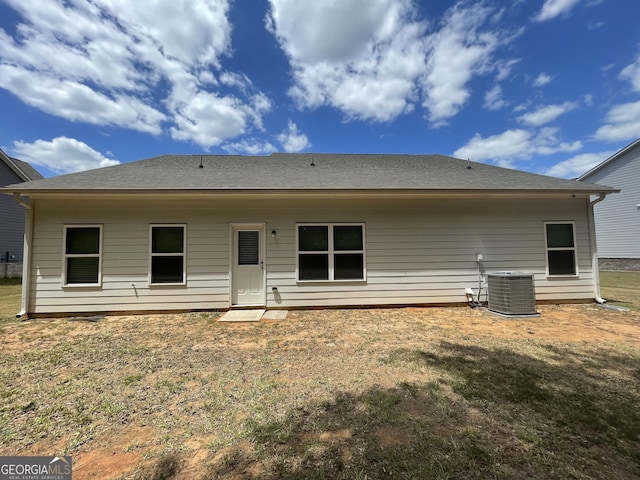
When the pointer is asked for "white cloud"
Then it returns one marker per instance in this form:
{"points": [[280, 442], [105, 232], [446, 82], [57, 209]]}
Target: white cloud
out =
{"points": [[367, 68], [576, 166], [504, 68], [208, 119], [631, 73], [542, 79], [456, 53], [623, 123], [514, 145], [249, 147], [546, 114], [382, 65], [78, 102], [493, 99], [509, 144], [102, 62], [61, 155], [553, 8], [292, 139]]}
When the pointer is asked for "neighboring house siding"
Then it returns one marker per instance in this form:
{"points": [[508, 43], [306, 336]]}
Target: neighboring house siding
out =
{"points": [[618, 216], [418, 251], [11, 219]]}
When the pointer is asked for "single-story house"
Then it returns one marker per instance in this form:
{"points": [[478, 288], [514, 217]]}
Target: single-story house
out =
{"points": [[191, 232], [12, 171], [618, 219]]}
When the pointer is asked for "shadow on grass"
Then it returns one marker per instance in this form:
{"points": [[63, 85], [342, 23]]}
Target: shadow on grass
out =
{"points": [[490, 413]]}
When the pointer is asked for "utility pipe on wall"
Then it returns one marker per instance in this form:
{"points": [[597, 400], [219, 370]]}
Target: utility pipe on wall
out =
{"points": [[594, 247], [26, 257]]}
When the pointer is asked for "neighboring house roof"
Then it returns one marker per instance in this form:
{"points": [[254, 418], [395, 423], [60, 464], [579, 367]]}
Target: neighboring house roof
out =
{"points": [[22, 169], [293, 172], [609, 160]]}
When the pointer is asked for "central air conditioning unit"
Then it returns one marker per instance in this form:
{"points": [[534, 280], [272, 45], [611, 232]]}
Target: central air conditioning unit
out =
{"points": [[511, 293]]}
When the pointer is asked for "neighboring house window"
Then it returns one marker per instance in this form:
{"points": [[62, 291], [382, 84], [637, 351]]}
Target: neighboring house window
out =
{"points": [[168, 255], [82, 261], [561, 248], [331, 252]]}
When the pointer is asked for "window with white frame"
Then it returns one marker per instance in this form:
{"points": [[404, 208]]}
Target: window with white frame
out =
{"points": [[167, 255], [331, 252], [82, 255], [561, 248]]}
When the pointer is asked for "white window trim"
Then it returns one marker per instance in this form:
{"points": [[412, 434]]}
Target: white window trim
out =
{"points": [[574, 248], [184, 253], [331, 252], [66, 255]]}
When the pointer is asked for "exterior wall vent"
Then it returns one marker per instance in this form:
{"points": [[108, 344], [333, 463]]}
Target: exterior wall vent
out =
{"points": [[511, 293]]}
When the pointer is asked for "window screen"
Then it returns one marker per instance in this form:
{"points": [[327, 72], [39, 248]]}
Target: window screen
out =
{"points": [[331, 252], [561, 252], [82, 255], [167, 254]]}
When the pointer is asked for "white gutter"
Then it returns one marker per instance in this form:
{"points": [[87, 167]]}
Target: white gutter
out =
{"points": [[594, 248], [26, 255]]}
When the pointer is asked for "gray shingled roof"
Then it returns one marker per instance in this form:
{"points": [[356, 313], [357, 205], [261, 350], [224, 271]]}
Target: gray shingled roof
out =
{"points": [[24, 170], [295, 172]]}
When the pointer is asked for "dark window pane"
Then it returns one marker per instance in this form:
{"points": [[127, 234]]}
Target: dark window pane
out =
{"points": [[248, 248], [82, 270], [348, 266], [167, 240], [313, 239], [167, 269], [313, 267], [347, 237], [562, 262], [83, 240], [560, 235]]}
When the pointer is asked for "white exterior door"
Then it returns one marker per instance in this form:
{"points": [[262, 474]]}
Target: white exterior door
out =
{"points": [[247, 271]]}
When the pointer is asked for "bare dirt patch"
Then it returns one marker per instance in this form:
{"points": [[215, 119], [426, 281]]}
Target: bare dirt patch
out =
{"points": [[381, 393]]}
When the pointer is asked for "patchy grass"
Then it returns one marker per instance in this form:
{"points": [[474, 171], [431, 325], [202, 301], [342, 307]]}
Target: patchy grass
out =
{"points": [[11, 292], [438, 393], [621, 288]]}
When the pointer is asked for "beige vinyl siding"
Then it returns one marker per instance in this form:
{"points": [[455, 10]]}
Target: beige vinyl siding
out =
{"points": [[418, 251]]}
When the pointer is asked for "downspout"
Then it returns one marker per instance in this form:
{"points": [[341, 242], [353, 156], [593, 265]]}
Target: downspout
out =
{"points": [[26, 256], [594, 248]]}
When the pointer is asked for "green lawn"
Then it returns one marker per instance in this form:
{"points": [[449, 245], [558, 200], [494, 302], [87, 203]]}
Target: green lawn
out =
{"points": [[621, 288], [10, 295]]}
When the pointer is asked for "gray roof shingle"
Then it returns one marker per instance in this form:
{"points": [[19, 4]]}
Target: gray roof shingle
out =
{"points": [[286, 172], [24, 170]]}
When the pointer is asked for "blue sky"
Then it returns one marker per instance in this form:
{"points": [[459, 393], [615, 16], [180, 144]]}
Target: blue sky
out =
{"points": [[548, 86]]}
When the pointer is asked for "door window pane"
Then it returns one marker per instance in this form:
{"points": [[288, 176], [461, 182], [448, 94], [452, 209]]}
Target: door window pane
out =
{"points": [[248, 247]]}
